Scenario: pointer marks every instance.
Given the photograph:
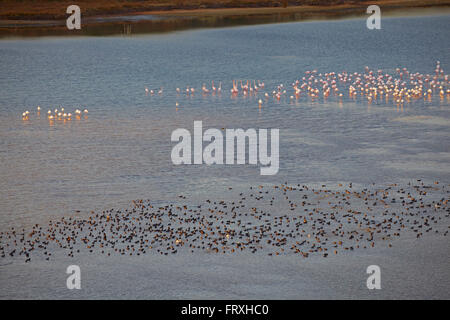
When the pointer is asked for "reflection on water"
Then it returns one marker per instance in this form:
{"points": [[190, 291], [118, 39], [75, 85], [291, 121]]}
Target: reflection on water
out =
{"points": [[122, 150], [147, 23]]}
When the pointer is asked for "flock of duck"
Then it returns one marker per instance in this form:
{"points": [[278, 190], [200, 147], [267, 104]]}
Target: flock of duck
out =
{"points": [[371, 86], [272, 220]]}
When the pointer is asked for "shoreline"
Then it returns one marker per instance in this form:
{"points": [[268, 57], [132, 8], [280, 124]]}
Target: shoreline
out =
{"points": [[50, 10], [157, 21]]}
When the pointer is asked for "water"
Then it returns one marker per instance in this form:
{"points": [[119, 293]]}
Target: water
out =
{"points": [[122, 150]]}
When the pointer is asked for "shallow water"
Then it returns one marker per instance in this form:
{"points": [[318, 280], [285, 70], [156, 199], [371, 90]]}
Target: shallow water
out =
{"points": [[122, 150]]}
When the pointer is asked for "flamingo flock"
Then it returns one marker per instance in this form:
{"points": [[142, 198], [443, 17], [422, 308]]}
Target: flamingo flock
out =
{"points": [[57, 114], [402, 87], [371, 86]]}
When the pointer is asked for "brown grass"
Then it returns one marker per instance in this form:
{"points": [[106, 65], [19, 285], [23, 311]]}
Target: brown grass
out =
{"points": [[56, 9]]}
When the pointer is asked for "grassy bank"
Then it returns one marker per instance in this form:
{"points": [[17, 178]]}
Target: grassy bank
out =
{"points": [[56, 9]]}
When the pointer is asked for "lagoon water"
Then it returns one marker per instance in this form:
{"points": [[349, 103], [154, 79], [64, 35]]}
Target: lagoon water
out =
{"points": [[122, 150]]}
